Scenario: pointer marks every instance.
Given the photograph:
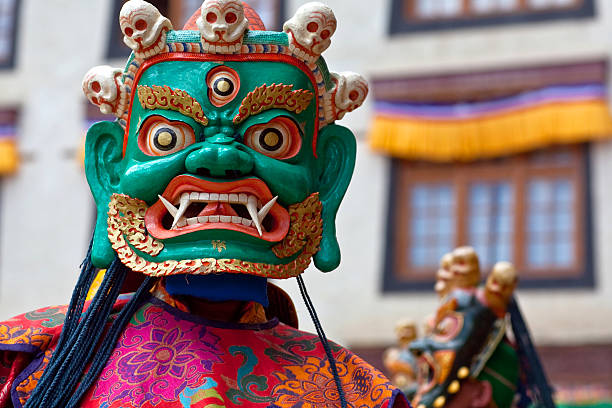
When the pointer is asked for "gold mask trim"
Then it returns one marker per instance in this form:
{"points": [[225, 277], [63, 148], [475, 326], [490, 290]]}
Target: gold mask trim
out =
{"points": [[166, 98], [126, 231], [275, 96]]}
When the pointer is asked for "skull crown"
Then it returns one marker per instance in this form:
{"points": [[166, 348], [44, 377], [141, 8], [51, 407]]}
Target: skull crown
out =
{"points": [[350, 92], [104, 88], [144, 28], [222, 24], [310, 31]]}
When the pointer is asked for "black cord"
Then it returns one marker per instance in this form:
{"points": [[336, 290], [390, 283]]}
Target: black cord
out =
{"points": [[323, 338]]}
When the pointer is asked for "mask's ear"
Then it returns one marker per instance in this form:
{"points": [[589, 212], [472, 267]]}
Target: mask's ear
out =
{"points": [[336, 150], [103, 154]]}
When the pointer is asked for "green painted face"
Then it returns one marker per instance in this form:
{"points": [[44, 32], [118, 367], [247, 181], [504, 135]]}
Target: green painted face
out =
{"points": [[218, 172]]}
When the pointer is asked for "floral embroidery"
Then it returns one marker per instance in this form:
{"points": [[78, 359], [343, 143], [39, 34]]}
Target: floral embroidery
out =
{"points": [[312, 385], [31, 336], [162, 354], [27, 385], [166, 359], [157, 360], [362, 379]]}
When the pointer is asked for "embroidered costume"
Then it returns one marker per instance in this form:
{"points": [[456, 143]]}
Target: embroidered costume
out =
{"points": [[168, 357]]}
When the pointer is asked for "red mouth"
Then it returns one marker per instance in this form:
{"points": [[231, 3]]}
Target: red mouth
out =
{"points": [[302, 48], [426, 373], [153, 45], [204, 205]]}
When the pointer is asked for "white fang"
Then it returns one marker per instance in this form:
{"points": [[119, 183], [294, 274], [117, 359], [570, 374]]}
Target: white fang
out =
{"points": [[171, 209], [251, 206], [266, 209]]}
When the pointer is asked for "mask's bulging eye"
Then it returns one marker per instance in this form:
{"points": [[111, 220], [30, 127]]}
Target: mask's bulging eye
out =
{"points": [[279, 138], [160, 137], [223, 84]]}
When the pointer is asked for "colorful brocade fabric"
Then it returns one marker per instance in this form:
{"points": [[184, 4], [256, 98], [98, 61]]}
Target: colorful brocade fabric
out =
{"points": [[169, 358]]}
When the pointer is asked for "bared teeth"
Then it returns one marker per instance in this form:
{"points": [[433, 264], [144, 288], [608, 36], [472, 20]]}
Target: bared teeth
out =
{"points": [[249, 201]]}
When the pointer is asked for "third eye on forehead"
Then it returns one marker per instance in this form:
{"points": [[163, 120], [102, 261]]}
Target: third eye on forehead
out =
{"points": [[223, 86]]}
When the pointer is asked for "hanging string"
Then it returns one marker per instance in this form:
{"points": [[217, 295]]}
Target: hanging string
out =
{"points": [[323, 338]]}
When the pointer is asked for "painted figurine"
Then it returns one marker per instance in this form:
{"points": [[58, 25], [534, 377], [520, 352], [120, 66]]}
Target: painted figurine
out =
{"points": [[399, 361], [465, 358], [444, 275], [224, 169]]}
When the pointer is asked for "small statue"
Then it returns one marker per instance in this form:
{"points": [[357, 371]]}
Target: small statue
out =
{"points": [[444, 275], [464, 268], [499, 287], [459, 269], [399, 361], [465, 359]]}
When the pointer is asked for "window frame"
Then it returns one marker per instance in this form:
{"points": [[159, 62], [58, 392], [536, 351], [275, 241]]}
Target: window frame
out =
{"points": [[400, 22], [397, 245], [11, 60]]}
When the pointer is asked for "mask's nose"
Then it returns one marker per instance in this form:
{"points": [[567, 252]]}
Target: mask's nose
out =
{"points": [[219, 156]]}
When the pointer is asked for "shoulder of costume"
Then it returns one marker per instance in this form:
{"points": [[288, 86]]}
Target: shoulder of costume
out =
{"points": [[34, 331], [27, 342], [38, 330], [358, 376]]}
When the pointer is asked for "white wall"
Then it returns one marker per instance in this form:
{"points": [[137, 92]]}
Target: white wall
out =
{"points": [[46, 211]]}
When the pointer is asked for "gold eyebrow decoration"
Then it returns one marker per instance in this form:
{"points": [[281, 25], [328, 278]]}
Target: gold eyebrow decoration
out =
{"points": [[164, 97], [274, 96]]}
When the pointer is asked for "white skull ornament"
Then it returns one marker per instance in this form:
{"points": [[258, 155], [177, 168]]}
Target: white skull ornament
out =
{"points": [[350, 93], [144, 28], [310, 31], [222, 24], [104, 87]]}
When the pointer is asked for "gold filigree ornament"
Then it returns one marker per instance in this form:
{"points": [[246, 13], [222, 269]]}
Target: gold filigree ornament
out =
{"points": [[274, 96], [166, 98], [126, 232]]}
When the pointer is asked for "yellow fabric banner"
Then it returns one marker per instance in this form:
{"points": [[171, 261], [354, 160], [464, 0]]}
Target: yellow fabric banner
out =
{"points": [[9, 157], [491, 136]]}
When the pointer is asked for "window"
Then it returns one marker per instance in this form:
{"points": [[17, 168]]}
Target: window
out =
{"points": [[528, 209], [419, 15], [9, 10], [179, 11]]}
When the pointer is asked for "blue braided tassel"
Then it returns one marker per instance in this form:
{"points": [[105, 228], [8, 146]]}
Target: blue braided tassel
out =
{"points": [[81, 338], [110, 341], [323, 338]]}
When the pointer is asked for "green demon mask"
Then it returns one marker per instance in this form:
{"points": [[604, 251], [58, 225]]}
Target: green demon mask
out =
{"points": [[224, 157]]}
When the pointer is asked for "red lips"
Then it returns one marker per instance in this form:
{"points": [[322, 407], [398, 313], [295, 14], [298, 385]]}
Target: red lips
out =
{"points": [[217, 206]]}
